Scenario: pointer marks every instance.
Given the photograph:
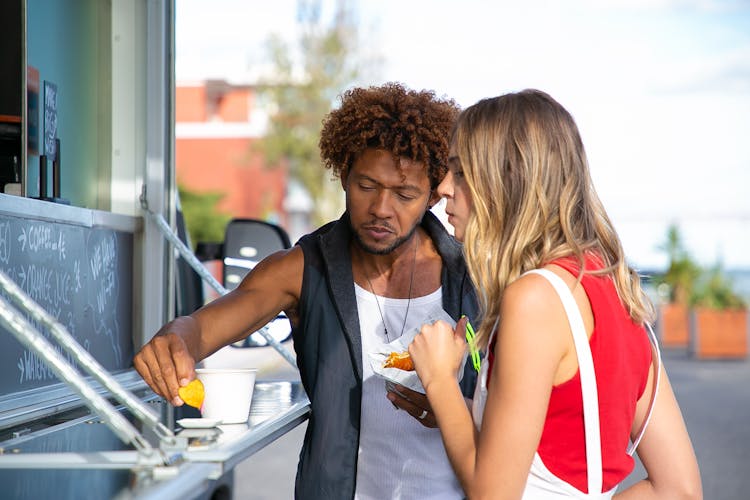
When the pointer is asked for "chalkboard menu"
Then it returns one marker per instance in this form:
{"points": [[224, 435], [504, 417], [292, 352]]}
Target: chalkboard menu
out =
{"points": [[80, 275]]}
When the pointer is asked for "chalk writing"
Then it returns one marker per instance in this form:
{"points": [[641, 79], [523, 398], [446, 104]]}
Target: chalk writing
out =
{"points": [[31, 367], [46, 285], [50, 119], [41, 238], [103, 265], [83, 278], [4, 242]]}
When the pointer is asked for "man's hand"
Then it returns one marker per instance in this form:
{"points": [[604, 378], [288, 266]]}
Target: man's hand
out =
{"points": [[414, 403], [165, 363]]}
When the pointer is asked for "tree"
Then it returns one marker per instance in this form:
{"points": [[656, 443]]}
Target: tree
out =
{"points": [[302, 92], [716, 290], [682, 272], [202, 220]]}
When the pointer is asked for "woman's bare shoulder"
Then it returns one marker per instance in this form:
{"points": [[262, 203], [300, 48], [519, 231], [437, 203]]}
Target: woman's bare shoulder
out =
{"points": [[529, 293]]}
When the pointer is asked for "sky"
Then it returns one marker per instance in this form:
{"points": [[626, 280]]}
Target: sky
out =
{"points": [[660, 90]]}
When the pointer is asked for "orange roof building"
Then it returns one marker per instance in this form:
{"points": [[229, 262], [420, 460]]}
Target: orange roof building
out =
{"points": [[216, 125]]}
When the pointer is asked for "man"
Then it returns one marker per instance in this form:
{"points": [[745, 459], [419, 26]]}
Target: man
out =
{"points": [[348, 287]]}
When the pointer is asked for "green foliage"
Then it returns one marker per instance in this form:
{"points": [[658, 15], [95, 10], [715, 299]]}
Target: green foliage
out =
{"points": [[682, 272], [715, 290], [203, 221], [302, 93], [690, 284]]}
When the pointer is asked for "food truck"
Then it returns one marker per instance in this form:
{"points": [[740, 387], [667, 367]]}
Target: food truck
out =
{"points": [[93, 260]]}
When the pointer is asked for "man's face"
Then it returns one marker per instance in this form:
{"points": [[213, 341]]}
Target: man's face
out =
{"points": [[385, 204]]}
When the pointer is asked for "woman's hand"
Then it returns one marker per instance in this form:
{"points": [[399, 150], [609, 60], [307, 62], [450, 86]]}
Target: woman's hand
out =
{"points": [[437, 351]]}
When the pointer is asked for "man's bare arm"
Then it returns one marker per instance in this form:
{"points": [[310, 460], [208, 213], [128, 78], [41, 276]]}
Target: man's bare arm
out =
{"points": [[168, 360]]}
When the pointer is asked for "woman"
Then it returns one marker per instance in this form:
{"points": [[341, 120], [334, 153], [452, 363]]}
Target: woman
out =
{"points": [[536, 236]]}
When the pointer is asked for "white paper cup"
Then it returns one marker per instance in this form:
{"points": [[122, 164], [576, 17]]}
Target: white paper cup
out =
{"points": [[228, 393]]}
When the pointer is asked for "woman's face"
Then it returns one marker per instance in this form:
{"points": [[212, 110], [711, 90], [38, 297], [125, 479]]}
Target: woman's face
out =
{"points": [[456, 192]]}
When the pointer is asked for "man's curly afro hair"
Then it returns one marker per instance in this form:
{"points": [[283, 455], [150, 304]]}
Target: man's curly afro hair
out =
{"points": [[410, 124]]}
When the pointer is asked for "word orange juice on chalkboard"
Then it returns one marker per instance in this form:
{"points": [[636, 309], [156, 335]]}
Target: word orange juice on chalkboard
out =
{"points": [[193, 393]]}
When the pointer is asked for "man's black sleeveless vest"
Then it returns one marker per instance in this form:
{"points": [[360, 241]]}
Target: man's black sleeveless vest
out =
{"points": [[329, 352]]}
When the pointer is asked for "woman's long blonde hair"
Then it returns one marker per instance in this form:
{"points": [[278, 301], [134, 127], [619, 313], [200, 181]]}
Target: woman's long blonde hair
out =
{"points": [[526, 168]]}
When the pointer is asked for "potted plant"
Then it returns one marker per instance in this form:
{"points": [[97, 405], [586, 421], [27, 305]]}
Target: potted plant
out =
{"points": [[719, 318], [677, 282]]}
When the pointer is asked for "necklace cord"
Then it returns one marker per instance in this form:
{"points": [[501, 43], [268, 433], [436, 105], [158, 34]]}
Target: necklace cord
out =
{"points": [[408, 303]]}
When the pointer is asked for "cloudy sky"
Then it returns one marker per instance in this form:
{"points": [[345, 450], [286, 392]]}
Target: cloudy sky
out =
{"points": [[660, 90]]}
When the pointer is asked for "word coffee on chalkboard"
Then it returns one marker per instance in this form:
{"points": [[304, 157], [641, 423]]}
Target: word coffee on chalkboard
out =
{"points": [[83, 277]]}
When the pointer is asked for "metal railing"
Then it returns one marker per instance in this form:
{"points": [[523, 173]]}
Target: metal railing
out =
{"points": [[16, 323], [205, 275], [16, 306]]}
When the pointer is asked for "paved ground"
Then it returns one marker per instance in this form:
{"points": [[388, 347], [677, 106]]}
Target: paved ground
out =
{"points": [[715, 400], [714, 397], [269, 474]]}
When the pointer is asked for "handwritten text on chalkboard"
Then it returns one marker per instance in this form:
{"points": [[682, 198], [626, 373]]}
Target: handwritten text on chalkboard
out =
{"points": [[81, 276]]}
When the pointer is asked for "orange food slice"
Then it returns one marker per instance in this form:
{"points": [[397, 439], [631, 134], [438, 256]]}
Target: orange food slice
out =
{"points": [[400, 360], [193, 393]]}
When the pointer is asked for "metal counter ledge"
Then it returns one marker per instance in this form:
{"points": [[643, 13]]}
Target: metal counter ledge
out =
{"points": [[78, 457], [277, 407]]}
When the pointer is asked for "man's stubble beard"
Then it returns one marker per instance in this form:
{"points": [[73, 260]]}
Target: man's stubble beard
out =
{"points": [[387, 250]]}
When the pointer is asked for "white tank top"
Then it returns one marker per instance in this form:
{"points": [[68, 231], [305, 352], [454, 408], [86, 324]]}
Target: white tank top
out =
{"points": [[398, 457]]}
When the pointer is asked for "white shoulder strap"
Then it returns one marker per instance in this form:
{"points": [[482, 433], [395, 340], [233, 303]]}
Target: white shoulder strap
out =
{"points": [[588, 381], [654, 392]]}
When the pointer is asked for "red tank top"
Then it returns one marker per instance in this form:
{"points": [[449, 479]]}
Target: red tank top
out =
{"points": [[622, 358]]}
